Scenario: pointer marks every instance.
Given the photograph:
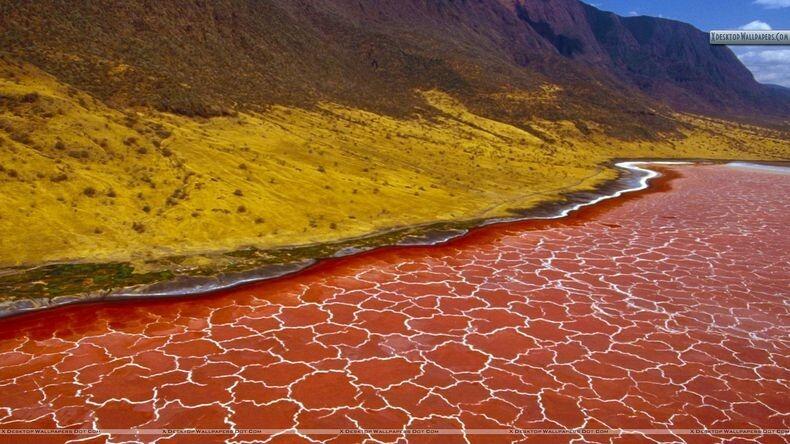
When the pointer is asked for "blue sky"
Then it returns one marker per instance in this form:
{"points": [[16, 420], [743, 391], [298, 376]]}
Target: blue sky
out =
{"points": [[769, 64]]}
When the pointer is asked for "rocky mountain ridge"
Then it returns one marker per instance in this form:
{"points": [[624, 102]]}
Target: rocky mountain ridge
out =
{"points": [[212, 57]]}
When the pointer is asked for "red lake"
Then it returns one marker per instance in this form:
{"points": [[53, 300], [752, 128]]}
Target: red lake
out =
{"points": [[662, 309]]}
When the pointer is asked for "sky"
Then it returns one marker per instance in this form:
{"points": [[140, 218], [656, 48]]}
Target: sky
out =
{"points": [[768, 64]]}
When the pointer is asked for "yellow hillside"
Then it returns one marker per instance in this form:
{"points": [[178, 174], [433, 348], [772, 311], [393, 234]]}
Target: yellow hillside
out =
{"points": [[80, 181]]}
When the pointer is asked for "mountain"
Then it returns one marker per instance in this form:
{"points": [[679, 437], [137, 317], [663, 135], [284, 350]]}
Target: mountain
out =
{"points": [[211, 57], [669, 60]]}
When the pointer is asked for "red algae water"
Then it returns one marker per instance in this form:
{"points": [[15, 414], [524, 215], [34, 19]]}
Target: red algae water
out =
{"points": [[666, 309]]}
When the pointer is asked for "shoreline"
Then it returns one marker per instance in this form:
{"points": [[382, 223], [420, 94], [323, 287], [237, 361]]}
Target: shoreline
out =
{"points": [[633, 176], [696, 259]]}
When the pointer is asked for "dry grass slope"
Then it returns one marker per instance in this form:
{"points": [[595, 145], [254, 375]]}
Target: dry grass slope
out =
{"points": [[80, 181]]}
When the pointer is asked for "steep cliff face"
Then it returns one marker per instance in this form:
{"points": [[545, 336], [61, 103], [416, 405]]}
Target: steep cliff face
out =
{"points": [[207, 58], [669, 60]]}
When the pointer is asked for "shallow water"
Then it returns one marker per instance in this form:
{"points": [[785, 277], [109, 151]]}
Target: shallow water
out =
{"points": [[666, 309]]}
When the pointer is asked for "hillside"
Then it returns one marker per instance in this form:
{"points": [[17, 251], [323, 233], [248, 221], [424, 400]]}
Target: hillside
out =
{"points": [[138, 130], [669, 61], [210, 58]]}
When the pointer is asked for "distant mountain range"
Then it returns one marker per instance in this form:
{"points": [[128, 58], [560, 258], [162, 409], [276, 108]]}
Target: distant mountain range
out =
{"points": [[212, 57]]}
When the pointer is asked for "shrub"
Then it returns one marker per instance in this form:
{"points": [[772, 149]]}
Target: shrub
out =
{"points": [[138, 227], [89, 191], [79, 154], [29, 98], [21, 137], [163, 133]]}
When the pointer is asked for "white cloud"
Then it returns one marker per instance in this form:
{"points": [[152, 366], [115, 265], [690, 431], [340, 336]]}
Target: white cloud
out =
{"points": [[633, 13], [767, 65], [756, 25], [768, 55], [773, 4]]}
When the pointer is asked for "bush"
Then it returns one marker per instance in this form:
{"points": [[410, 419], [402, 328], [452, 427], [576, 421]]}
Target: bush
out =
{"points": [[29, 98], [79, 154], [21, 137], [89, 191], [163, 133]]}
